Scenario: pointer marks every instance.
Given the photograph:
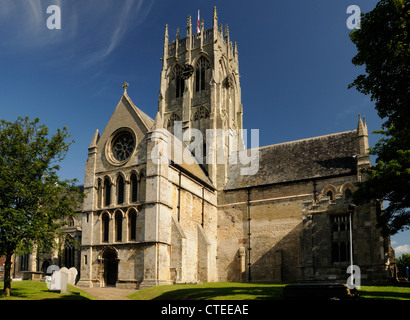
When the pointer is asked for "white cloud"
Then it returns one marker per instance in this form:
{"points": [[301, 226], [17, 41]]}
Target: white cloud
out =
{"points": [[90, 29], [405, 248], [116, 24]]}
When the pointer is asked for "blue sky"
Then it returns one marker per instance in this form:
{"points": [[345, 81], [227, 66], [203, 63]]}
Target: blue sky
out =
{"points": [[295, 65]]}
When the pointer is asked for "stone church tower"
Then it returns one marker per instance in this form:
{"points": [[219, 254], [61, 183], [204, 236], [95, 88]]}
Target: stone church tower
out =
{"points": [[200, 89], [150, 218]]}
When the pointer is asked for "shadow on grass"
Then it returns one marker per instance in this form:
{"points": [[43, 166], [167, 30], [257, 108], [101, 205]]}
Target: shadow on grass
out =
{"points": [[225, 293], [22, 294], [385, 295]]}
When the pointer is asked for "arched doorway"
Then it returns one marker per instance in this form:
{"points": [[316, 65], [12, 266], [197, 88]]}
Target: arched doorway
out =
{"points": [[110, 267]]}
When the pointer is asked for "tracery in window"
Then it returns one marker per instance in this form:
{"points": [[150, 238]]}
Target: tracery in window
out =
{"points": [[170, 124], [179, 81], [123, 146], [201, 113], [202, 66], [340, 238]]}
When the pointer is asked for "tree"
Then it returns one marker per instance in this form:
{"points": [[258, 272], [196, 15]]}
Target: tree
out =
{"points": [[383, 47], [34, 202], [402, 263]]}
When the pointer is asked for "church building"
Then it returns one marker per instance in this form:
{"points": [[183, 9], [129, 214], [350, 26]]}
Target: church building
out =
{"points": [[154, 216]]}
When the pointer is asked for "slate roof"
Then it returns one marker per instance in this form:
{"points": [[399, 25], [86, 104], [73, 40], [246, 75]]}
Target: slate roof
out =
{"points": [[318, 157]]}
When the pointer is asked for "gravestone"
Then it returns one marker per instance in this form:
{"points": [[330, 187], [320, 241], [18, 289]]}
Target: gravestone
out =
{"points": [[52, 268], [72, 275], [57, 281], [63, 279]]}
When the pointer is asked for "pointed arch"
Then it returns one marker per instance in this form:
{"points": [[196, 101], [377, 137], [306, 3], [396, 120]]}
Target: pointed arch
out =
{"points": [[120, 184], [176, 76], [105, 226], [202, 74], [107, 191], [329, 191], [118, 217], [347, 190], [132, 224], [134, 187]]}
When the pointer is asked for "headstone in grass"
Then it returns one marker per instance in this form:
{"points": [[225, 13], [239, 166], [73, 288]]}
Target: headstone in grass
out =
{"points": [[51, 269], [72, 275], [58, 281]]}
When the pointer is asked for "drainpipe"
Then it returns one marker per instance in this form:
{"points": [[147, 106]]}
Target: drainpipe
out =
{"points": [[351, 210], [203, 206], [179, 197], [249, 235]]}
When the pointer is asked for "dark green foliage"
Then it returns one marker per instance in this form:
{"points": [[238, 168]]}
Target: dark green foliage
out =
{"points": [[383, 47]]}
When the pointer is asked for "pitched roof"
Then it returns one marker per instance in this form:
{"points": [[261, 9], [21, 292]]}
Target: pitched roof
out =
{"points": [[317, 157], [187, 162], [146, 119]]}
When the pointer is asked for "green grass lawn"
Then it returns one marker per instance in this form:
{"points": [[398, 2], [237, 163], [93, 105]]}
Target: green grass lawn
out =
{"points": [[252, 291], [36, 290], [384, 293], [212, 291]]}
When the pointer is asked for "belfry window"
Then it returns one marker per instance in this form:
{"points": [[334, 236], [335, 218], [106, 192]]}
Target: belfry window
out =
{"points": [[202, 67], [179, 81]]}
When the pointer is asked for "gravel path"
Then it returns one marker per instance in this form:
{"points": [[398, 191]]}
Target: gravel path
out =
{"points": [[109, 293]]}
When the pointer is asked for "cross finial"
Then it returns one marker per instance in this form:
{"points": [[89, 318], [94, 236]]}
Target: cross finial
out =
{"points": [[125, 86]]}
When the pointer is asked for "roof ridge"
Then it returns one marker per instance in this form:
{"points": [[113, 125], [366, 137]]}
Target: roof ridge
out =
{"points": [[307, 139]]}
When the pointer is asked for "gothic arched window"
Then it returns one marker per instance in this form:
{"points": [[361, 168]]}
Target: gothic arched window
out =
{"points": [[132, 225], [105, 227], [134, 188], [348, 194], [179, 81], [120, 190], [107, 192], [202, 66], [118, 226], [69, 252], [330, 195]]}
